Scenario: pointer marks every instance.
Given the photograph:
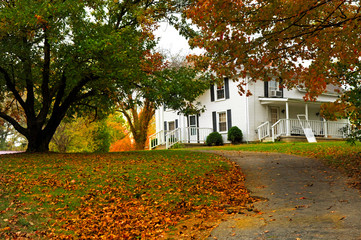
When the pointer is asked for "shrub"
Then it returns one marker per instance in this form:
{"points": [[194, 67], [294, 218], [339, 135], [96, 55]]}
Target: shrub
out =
{"points": [[214, 139], [235, 135]]}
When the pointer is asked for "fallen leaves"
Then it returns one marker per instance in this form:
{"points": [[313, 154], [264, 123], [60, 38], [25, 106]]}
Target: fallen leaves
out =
{"points": [[116, 196]]}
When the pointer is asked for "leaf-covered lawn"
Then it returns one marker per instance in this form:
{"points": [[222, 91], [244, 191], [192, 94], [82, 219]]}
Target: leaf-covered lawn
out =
{"points": [[340, 155], [133, 195]]}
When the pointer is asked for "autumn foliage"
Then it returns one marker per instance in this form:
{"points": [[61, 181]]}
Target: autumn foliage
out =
{"points": [[127, 195], [125, 144]]}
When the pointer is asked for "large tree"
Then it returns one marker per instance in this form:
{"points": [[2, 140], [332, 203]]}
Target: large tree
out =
{"points": [[61, 56], [302, 42]]}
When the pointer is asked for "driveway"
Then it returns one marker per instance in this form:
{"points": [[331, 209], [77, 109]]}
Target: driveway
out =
{"points": [[302, 199]]}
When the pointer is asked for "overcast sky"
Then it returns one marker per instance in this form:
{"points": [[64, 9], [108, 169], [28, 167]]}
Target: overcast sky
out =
{"points": [[172, 41]]}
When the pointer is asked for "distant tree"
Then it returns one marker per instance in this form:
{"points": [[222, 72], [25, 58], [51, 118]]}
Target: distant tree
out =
{"points": [[5, 132], [81, 134]]}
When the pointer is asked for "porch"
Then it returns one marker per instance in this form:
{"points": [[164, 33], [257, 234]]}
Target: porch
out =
{"points": [[287, 128], [291, 118], [188, 135]]}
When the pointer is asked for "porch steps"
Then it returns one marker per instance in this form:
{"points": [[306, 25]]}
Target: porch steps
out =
{"points": [[304, 139], [267, 139]]}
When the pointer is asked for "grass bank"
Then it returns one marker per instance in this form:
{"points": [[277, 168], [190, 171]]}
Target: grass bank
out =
{"points": [[132, 195], [340, 155]]}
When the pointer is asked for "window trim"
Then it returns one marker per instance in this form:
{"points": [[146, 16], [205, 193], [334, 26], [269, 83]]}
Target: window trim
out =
{"points": [[223, 87], [218, 121]]}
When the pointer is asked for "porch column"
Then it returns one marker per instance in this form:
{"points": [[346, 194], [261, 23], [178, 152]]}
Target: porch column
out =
{"points": [[306, 111], [288, 132], [325, 128]]}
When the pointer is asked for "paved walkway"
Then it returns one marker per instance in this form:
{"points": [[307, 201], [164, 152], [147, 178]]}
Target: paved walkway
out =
{"points": [[304, 200], [9, 152]]}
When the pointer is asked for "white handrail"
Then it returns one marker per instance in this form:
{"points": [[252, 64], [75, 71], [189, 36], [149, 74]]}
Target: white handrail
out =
{"points": [[172, 137], [319, 128], [263, 130], [278, 129], [195, 134], [156, 139]]}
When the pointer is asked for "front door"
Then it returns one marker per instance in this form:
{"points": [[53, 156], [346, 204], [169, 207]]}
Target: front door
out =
{"points": [[275, 116], [192, 129]]}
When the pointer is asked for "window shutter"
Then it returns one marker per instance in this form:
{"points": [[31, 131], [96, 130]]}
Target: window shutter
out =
{"points": [[266, 89], [229, 119], [165, 125], [212, 93], [176, 123], [226, 87], [198, 128], [281, 86], [214, 119]]}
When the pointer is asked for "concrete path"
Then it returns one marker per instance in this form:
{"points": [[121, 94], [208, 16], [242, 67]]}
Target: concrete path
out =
{"points": [[9, 152], [303, 200]]}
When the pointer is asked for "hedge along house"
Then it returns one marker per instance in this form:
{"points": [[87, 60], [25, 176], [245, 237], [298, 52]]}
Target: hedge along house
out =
{"points": [[271, 113]]}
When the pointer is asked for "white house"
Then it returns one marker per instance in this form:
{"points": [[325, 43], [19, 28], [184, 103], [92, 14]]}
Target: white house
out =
{"points": [[270, 113]]}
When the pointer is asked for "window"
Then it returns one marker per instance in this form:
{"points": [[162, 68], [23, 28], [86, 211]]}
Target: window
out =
{"points": [[220, 92], [274, 88], [171, 126], [273, 85], [193, 125], [222, 121]]}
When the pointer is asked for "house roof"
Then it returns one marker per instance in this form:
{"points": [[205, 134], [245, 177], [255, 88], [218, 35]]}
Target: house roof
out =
{"points": [[331, 90]]}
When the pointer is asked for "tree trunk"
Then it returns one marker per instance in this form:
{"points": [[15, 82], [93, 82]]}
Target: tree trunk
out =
{"points": [[38, 143], [140, 140], [38, 137]]}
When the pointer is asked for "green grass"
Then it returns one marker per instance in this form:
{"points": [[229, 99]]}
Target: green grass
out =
{"points": [[126, 194]]}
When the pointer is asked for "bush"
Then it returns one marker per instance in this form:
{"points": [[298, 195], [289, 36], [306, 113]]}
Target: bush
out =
{"points": [[235, 135], [214, 139]]}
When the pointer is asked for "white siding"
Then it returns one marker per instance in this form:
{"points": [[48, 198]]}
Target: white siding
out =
{"points": [[247, 112]]}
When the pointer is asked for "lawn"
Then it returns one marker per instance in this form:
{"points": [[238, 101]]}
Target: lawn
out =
{"points": [[339, 155], [132, 195]]}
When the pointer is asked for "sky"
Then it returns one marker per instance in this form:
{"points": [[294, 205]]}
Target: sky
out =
{"points": [[171, 40]]}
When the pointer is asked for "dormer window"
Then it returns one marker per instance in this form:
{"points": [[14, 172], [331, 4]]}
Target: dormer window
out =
{"points": [[220, 92]]}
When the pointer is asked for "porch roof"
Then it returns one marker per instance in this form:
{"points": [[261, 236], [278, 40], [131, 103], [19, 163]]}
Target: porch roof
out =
{"points": [[268, 101]]}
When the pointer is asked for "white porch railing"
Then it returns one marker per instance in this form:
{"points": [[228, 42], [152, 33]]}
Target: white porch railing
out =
{"points": [[181, 135], [263, 130], [157, 139], [195, 134], [172, 137], [278, 129], [284, 127]]}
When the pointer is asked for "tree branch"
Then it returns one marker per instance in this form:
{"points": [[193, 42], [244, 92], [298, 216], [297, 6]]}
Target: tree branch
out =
{"points": [[15, 124], [12, 88], [46, 77]]}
